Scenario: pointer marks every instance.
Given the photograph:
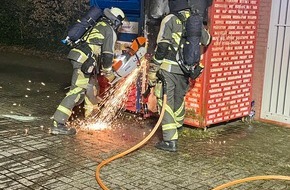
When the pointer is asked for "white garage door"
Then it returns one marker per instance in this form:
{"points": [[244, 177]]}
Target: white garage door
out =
{"points": [[276, 93]]}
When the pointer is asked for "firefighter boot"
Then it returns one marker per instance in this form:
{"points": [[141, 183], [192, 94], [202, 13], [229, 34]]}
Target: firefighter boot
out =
{"points": [[61, 129], [167, 145]]}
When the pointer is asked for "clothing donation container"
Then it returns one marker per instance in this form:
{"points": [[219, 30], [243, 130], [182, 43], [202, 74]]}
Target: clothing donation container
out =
{"points": [[223, 92]]}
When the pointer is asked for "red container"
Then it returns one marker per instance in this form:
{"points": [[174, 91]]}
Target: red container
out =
{"points": [[223, 92]]}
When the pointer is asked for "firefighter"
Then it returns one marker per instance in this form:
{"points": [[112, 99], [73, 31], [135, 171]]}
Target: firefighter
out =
{"points": [[165, 63], [95, 54]]}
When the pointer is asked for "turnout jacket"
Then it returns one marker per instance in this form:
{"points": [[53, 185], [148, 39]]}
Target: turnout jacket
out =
{"points": [[168, 40], [100, 41]]}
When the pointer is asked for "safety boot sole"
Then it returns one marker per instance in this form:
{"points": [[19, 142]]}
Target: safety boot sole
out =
{"points": [[167, 147]]}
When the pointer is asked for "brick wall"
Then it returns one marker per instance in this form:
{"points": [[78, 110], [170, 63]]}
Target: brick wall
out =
{"points": [[260, 56]]}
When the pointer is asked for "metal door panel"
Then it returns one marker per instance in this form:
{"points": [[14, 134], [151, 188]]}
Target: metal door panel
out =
{"points": [[287, 64], [283, 55], [276, 95], [270, 59], [282, 98], [276, 70]]}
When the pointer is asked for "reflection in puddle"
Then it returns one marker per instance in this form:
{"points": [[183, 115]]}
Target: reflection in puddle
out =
{"points": [[20, 118]]}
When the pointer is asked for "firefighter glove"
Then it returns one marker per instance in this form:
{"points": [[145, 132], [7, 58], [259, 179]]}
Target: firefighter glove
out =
{"points": [[108, 74], [196, 72], [152, 78], [88, 66]]}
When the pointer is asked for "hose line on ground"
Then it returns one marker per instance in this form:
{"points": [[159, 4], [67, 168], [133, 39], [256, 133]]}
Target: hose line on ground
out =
{"points": [[229, 184], [235, 182], [102, 185]]}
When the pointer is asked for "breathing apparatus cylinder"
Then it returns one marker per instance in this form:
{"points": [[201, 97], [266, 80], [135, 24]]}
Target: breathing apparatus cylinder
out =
{"points": [[79, 30]]}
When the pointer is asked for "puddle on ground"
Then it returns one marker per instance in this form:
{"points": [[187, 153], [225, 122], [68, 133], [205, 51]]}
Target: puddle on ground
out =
{"points": [[20, 117]]}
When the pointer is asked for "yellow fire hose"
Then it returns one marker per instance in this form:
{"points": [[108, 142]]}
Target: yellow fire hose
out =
{"points": [[229, 184], [102, 185], [235, 182]]}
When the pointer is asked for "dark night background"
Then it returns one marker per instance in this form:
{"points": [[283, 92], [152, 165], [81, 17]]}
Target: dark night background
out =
{"points": [[38, 24]]}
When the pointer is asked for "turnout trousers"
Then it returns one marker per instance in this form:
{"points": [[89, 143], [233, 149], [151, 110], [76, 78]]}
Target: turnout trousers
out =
{"points": [[177, 86], [83, 88]]}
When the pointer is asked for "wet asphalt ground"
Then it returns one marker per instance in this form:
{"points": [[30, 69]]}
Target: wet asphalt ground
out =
{"points": [[30, 158]]}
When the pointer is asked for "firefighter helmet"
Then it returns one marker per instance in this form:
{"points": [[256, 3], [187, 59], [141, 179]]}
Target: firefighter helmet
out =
{"points": [[116, 16], [118, 13], [178, 5]]}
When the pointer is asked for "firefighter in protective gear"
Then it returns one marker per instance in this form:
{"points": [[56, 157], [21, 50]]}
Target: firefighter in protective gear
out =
{"points": [[94, 55], [165, 62]]}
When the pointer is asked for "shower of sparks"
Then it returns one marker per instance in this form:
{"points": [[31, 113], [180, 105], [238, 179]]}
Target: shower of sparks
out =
{"points": [[97, 126], [112, 103]]}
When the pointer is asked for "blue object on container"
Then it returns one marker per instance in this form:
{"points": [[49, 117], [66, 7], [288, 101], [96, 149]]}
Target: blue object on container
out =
{"points": [[133, 10], [130, 7]]}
